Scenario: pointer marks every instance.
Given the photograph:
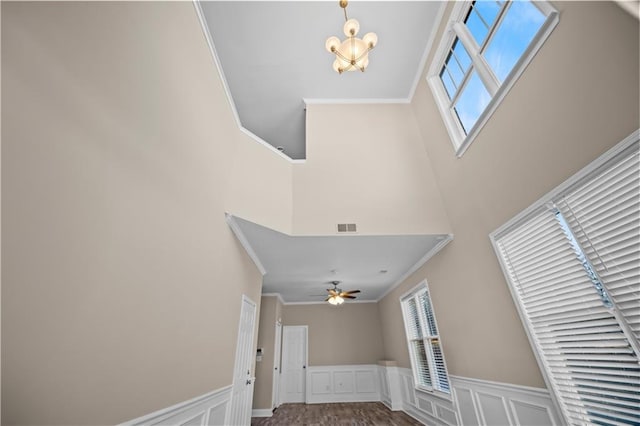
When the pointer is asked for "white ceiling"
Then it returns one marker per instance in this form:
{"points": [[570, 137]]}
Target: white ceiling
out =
{"points": [[300, 268], [272, 56]]}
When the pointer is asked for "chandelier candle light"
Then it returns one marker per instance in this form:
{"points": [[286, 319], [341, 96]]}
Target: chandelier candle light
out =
{"points": [[353, 53]]}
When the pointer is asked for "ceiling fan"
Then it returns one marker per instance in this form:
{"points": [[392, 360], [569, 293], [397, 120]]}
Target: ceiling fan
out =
{"points": [[337, 296]]}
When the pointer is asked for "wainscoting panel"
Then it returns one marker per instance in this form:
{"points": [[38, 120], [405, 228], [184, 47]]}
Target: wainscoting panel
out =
{"points": [[423, 406], [482, 402], [343, 383], [204, 410]]}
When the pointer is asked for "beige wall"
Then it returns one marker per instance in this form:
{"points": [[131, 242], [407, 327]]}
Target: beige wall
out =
{"points": [[374, 173], [260, 186], [121, 279], [576, 99], [346, 334], [270, 314]]}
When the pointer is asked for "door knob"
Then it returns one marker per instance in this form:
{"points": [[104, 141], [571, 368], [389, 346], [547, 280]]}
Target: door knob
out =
{"points": [[304, 366]]}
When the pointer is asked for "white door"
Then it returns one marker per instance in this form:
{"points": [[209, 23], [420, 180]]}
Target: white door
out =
{"points": [[239, 412], [275, 400], [294, 363]]}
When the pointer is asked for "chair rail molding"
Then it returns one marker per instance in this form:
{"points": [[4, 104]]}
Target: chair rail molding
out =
{"points": [[207, 409]]}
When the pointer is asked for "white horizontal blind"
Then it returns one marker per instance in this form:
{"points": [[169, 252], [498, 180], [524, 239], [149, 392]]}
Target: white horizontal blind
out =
{"points": [[427, 359], [605, 212], [416, 344], [574, 269], [440, 378]]}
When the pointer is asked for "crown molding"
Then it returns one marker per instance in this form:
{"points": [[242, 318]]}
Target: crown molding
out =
{"points": [[233, 224]]}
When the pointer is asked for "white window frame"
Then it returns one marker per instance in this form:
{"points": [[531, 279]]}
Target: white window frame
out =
{"points": [[413, 294], [572, 182], [457, 28]]}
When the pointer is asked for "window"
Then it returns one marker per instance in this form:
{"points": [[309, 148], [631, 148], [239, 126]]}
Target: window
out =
{"points": [[573, 265], [487, 48], [425, 349]]}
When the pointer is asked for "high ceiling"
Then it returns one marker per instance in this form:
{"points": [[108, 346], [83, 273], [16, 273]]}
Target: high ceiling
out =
{"points": [[273, 58], [300, 269]]}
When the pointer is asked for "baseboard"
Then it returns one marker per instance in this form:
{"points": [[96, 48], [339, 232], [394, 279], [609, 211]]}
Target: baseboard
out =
{"points": [[261, 412], [209, 409]]}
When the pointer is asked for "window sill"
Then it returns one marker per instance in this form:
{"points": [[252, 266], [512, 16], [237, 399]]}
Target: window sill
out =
{"points": [[434, 393]]}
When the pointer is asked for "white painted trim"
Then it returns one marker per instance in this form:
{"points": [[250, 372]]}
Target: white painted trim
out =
{"points": [[339, 383], [245, 242], [356, 101], [261, 412], [216, 61], [417, 265], [327, 303], [460, 141], [576, 179], [217, 397], [540, 392], [278, 295], [427, 50], [565, 186]]}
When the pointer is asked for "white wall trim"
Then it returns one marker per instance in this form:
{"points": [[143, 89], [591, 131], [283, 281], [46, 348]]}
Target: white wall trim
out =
{"points": [[343, 383], [355, 101], [261, 412], [578, 177], [211, 407], [216, 61], [278, 295], [326, 303], [427, 50], [511, 404], [418, 265], [245, 242]]}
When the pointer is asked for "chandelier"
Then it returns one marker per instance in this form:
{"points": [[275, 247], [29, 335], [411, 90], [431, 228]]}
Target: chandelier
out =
{"points": [[353, 53]]}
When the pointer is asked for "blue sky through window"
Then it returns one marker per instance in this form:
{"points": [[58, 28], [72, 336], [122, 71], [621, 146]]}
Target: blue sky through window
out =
{"points": [[501, 43], [472, 101], [513, 36]]}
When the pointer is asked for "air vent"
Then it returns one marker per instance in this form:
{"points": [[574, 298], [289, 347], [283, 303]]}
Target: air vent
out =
{"points": [[346, 227]]}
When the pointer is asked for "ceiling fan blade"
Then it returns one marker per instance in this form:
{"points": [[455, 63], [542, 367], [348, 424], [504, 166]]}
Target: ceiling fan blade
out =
{"points": [[327, 299], [346, 296], [351, 292], [332, 292]]}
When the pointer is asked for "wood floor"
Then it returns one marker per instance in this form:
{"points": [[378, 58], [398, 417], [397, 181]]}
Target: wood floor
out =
{"points": [[353, 413]]}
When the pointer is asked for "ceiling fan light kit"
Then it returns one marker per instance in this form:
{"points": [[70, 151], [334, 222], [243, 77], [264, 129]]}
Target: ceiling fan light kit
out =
{"points": [[353, 53], [337, 296]]}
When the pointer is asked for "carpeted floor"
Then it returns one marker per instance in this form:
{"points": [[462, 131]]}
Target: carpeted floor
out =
{"points": [[354, 413]]}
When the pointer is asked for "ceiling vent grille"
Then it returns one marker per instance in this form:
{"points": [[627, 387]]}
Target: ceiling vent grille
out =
{"points": [[346, 227]]}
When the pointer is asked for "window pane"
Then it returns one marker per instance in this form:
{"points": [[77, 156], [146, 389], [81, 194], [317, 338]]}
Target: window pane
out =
{"points": [[440, 370], [481, 18], [520, 24], [426, 306], [448, 83], [422, 365], [414, 322], [473, 100], [455, 67]]}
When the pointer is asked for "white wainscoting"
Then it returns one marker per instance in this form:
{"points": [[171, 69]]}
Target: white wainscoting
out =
{"points": [[473, 402], [425, 407], [204, 410], [343, 383], [482, 402]]}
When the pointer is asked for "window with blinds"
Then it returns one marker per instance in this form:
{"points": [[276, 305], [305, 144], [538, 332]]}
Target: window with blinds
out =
{"points": [[427, 359], [573, 265]]}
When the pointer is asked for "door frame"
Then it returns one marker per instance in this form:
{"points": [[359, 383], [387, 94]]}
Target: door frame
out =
{"points": [[236, 382], [283, 381], [277, 366]]}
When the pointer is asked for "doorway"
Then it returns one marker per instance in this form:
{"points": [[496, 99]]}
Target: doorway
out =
{"points": [[294, 363], [239, 412], [275, 399]]}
